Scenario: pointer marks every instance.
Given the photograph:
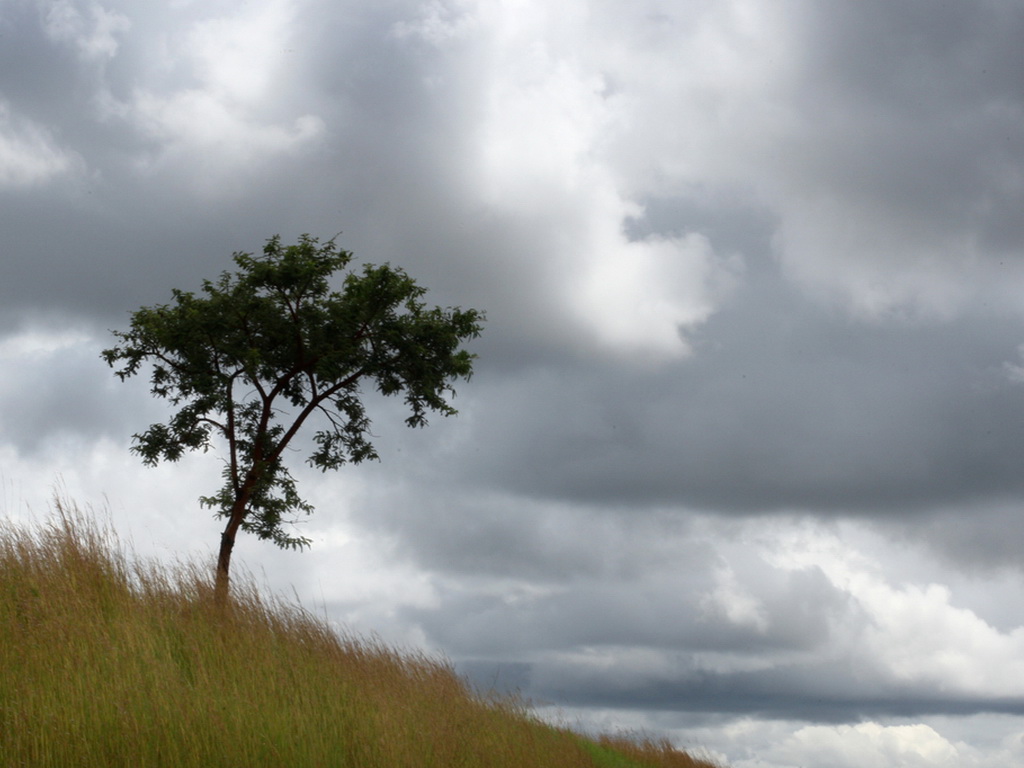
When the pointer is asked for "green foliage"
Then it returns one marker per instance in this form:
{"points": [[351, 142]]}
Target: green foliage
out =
{"points": [[604, 757], [259, 352]]}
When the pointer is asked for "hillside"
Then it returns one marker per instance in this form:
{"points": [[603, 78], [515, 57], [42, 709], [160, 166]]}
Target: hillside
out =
{"points": [[106, 660]]}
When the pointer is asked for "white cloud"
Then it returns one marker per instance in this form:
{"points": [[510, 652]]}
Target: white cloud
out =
{"points": [[732, 600], [919, 635], [39, 342], [229, 121], [750, 743], [29, 153], [1014, 371], [440, 22], [92, 30], [239, 58], [545, 114], [913, 631], [878, 263], [198, 123], [882, 204], [647, 294], [856, 746], [931, 743]]}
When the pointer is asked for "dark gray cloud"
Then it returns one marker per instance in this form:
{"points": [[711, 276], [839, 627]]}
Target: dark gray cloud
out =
{"points": [[676, 612], [786, 406], [782, 693], [973, 536]]}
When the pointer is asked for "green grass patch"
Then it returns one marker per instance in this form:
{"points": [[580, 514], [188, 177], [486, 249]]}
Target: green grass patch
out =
{"points": [[107, 661], [603, 757]]}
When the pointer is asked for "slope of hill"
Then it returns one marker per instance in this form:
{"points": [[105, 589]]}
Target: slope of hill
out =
{"points": [[109, 661]]}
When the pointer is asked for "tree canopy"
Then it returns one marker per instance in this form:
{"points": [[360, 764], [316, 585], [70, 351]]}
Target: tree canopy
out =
{"points": [[264, 350]]}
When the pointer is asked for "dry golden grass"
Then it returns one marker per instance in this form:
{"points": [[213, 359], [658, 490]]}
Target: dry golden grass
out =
{"points": [[106, 661]]}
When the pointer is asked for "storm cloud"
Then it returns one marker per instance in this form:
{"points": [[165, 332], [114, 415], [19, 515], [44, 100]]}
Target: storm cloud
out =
{"points": [[740, 462]]}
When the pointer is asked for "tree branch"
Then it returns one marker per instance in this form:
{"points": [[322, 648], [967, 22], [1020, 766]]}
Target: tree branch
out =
{"points": [[310, 407]]}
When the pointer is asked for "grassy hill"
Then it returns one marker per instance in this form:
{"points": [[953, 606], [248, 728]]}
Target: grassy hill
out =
{"points": [[108, 661]]}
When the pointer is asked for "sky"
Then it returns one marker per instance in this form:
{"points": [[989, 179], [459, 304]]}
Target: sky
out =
{"points": [[740, 463]]}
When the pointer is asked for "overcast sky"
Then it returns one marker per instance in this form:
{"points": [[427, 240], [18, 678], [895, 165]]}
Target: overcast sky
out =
{"points": [[741, 463]]}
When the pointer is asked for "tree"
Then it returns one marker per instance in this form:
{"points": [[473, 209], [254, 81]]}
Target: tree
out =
{"points": [[265, 350]]}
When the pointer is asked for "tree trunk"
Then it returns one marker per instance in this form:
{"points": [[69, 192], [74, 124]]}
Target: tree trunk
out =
{"points": [[227, 544]]}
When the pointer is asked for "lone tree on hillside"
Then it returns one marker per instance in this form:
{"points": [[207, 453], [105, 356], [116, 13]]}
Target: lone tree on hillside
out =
{"points": [[262, 351]]}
